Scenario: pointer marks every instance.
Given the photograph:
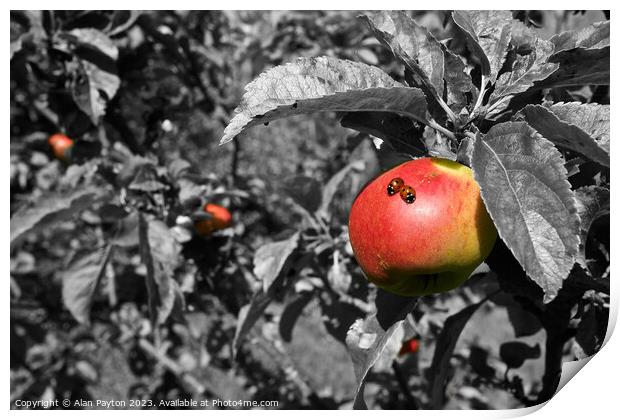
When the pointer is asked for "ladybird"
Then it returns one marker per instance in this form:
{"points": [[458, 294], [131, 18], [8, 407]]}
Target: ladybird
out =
{"points": [[395, 185], [407, 193]]}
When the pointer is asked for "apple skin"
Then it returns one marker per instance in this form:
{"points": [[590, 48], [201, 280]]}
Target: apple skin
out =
{"points": [[61, 145], [429, 246], [220, 219]]}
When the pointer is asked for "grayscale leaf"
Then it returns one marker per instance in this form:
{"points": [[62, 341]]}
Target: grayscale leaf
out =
{"points": [[161, 255], [446, 342], [488, 35], [592, 203], [270, 262], [80, 280], [595, 36], [412, 44], [583, 57], [396, 130], [322, 84], [51, 209], [525, 71], [525, 188], [579, 67], [271, 259], [92, 88], [583, 128], [94, 38], [367, 338], [458, 83]]}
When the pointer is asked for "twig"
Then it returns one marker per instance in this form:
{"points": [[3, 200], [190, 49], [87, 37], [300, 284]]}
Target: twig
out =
{"points": [[367, 308], [151, 286], [404, 387], [447, 109], [194, 70], [174, 368], [234, 165], [434, 125]]}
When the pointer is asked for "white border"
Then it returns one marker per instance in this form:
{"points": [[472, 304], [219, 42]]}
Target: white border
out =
{"points": [[591, 395]]}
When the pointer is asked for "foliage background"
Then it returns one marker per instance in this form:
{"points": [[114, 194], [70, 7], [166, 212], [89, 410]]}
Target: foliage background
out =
{"points": [[146, 141]]}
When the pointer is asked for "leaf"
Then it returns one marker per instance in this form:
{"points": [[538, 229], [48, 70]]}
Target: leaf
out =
{"points": [[248, 316], [52, 209], [166, 254], [92, 88], [338, 275], [586, 335], [488, 35], [334, 183], [146, 180], [160, 254], [523, 322], [367, 338], [523, 37], [592, 203], [579, 67], [95, 80], [478, 359], [305, 190], [19, 28], [429, 60], [80, 280], [458, 83], [271, 259], [465, 151], [400, 132], [583, 57], [446, 342], [93, 38], [412, 44], [515, 353], [25, 28], [592, 118], [525, 71], [338, 316], [524, 186], [322, 84], [123, 20], [127, 233], [291, 314], [86, 371], [595, 36], [583, 128], [16, 46]]}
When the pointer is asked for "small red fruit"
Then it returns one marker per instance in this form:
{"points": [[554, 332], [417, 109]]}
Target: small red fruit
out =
{"points": [[220, 219], [409, 346], [431, 237], [61, 146]]}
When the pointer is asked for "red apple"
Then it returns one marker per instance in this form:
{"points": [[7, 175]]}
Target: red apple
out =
{"points": [[409, 346], [421, 227], [61, 146], [220, 219]]}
